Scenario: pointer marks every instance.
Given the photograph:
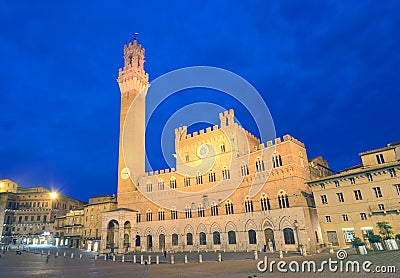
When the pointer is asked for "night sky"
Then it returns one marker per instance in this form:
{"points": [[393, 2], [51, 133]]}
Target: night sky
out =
{"points": [[328, 71]]}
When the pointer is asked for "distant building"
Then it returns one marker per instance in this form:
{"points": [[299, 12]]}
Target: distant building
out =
{"points": [[27, 214], [280, 215], [92, 219], [81, 228], [69, 229], [352, 202]]}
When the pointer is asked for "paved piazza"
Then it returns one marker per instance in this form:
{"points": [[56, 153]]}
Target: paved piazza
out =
{"points": [[235, 265]]}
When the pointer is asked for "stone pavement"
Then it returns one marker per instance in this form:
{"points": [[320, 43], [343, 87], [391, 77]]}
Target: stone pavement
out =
{"points": [[35, 265]]}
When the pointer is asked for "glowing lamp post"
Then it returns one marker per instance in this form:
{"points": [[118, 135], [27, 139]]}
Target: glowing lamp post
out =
{"points": [[53, 195]]}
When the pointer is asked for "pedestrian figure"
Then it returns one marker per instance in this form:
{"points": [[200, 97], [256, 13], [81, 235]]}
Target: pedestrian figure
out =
{"points": [[47, 259], [165, 254]]}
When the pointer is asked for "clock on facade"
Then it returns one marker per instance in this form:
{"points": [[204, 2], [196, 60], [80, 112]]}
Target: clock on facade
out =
{"points": [[125, 173], [203, 151]]}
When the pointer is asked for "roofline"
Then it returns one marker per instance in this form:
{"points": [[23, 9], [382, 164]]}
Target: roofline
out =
{"points": [[346, 174]]}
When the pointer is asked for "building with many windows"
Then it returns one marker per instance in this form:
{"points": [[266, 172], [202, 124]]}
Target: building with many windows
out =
{"points": [[28, 213], [81, 228], [353, 201], [229, 191]]}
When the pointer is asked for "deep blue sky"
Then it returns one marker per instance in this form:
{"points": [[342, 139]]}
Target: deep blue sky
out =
{"points": [[328, 70]]}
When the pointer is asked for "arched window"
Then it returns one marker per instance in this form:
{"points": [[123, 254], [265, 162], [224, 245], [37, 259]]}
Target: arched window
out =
{"points": [[200, 211], [186, 157], [149, 215], [137, 240], [252, 237], [189, 239], [248, 205], [225, 173], [172, 183], [259, 165], [138, 217], [288, 235], [211, 176], [161, 214], [283, 200], [174, 240], [216, 238], [203, 239], [199, 178], [149, 186], [188, 211], [186, 180], [265, 205], [160, 184], [231, 237], [276, 161], [229, 207], [222, 148], [214, 209], [244, 169], [174, 213]]}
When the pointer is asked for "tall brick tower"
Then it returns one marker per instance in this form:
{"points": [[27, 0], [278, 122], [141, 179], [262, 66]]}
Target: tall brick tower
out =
{"points": [[133, 83]]}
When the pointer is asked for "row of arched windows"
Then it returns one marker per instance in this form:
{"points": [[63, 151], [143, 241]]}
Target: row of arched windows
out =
{"points": [[283, 201], [276, 162], [288, 236]]}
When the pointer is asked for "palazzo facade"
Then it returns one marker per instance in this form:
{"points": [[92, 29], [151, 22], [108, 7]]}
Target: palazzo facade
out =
{"points": [[228, 191]]}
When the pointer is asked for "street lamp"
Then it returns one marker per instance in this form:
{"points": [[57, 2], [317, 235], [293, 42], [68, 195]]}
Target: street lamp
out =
{"points": [[53, 195]]}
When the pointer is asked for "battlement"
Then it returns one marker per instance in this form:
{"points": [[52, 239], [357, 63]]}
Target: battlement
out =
{"points": [[160, 172], [285, 138], [181, 132]]}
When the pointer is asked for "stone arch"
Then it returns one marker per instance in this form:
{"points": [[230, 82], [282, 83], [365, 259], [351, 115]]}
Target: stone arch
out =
{"points": [[112, 234], [161, 230], [201, 228], [267, 223], [250, 225], [230, 226], [148, 231], [215, 227], [285, 222], [188, 229]]}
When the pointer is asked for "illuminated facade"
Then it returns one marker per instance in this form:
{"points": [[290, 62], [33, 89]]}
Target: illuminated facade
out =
{"points": [[352, 202], [280, 215], [29, 213]]}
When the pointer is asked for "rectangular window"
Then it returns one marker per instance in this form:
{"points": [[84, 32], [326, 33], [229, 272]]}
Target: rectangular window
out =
{"points": [[381, 206], [345, 217], [138, 218], [369, 176], [340, 197], [378, 192], [38, 218], [328, 218], [26, 218], [357, 194], [379, 158], [363, 216], [324, 200], [352, 181], [337, 184], [322, 185], [32, 218], [392, 172], [174, 214]]}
